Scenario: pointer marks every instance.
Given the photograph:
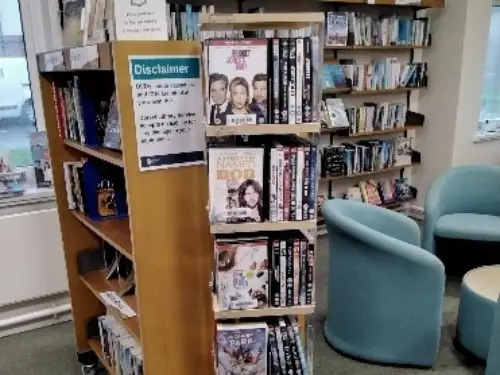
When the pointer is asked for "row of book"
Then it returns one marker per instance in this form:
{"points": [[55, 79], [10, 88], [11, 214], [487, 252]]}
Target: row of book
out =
{"points": [[384, 74], [239, 186], [365, 156], [95, 189], [385, 192], [85, 120], [368, 118], [118, 267], [261, 81], [358, 29], [119, 347], [264, 271], [274, 347]]}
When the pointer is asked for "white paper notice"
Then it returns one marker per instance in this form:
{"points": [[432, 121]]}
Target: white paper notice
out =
{"points": [[141, 20], [168, 107], [113, 300], [84, 57], [408, 2]]}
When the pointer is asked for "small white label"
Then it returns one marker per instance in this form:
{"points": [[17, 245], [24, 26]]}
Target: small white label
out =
{"points": [[84, 57], [113, 300], [408, 2], [141, 20], [371, 2], [53, 61]]}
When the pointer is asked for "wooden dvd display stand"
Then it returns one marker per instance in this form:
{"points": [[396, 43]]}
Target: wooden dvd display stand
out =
{"points": [[167, 235]]}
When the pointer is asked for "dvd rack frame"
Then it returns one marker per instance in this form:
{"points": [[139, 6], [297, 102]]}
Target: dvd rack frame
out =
{"points": [[335, 5], [275, 21], [171, 296]]}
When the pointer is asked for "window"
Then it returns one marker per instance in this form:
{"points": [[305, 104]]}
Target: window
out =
{"points": [[18, 120], [489, 118]]}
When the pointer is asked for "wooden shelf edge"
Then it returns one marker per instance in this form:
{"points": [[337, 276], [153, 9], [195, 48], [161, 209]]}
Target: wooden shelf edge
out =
{"points": [[422, 3], [262, 227], [374, 48], [258, 20], [102, 153], [343, 91], [376, 132], [220, 131], [96, 347], [365, 174], [104, 60], [259, 313], [125, 250]]}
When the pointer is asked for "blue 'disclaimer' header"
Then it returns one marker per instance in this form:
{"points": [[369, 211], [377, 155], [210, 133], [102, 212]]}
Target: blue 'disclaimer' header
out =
{"points": [[165, 67]]}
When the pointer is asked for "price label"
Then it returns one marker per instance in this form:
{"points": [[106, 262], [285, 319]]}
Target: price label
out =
{"points": [[53, 61], [84, 57], [408, 2], [371, 2]]}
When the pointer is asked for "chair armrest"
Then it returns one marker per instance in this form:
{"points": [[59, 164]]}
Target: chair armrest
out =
{"points": [[493, 360]]}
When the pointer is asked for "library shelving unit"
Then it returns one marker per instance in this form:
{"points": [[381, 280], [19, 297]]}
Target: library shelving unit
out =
{"points": [[166, 233], [270, 21], [358, 5]]}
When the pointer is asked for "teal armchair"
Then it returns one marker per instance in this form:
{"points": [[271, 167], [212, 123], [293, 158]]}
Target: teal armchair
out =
{"points": [[385, 293], [463, 203]]}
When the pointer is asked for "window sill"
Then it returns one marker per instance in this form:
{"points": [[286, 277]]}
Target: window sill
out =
{"points": [[486, 137], [30, 197]]}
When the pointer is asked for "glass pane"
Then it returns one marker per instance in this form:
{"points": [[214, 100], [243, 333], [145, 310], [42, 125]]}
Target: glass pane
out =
{"points": [[17, 116], [490, 110]]}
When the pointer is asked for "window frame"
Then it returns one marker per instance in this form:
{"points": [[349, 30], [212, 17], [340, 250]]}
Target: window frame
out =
{"points": [[34, 16], [481, 136]]}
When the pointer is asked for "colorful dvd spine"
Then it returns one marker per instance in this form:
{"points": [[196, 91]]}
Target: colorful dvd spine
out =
{"points": [[283, 273], [307, 85], [310, 274], [280, 188], [312, 182], [275, 104], [275, 288], [299, 184], [306, 184], [289, 273], [295, 351], [281, 350], [287, 182], [300, 348], [303, 273], [283, 102], [296, 271], [274, 363], [286, 347], [292, 81], [293, 183], [273, 186], [299, 89]]}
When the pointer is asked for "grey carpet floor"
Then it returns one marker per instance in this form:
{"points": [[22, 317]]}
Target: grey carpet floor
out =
{"points": [[51, 351]]}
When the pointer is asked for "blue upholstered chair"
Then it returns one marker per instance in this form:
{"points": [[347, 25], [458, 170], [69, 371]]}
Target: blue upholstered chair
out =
{"points": [[493, 361], [385, 293], [464, 203]]}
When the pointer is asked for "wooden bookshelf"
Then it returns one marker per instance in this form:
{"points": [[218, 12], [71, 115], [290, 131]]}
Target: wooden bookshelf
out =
{"points": [[102, 153], [417, 3], [337, 90], [263, 227], [220, 131], [116, 232], [373, 133], [367, 174], [248, 21], [172, 299], [259, 313], [102, 52], [95, 345]]}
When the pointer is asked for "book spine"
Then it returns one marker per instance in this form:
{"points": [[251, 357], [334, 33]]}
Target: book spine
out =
{"points": [[292, 81], [283, 273], [281, 349], [299, 53], [59, 118], [295, 351], [299, 183], [296, 271], [293, 183], [287, 350], [315, 54], [312, 182], [273, 186], [275, 104], [178, 22], [310, 274], [307, 85], [275, 289], [283, 102], [306, 187], [287, 181], [281, 173], [289, 273], [303, 273], [274, 362], [300, 347]]}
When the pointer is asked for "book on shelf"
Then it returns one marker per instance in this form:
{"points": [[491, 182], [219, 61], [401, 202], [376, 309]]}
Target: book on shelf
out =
{"points": [[264, 271], [273, 346], [358, 29], [260, 80], [365, 156], [183, 21], [385, 192], [41, 158], [336, 114], [119, 348], [333, 75], [376, 117], [385, 74]]}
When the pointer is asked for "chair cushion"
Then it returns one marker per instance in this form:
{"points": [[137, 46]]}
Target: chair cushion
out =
{"points": [[474, 227]]}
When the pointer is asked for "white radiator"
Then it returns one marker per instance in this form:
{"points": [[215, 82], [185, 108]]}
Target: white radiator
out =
{"points": [[31, 257]]}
